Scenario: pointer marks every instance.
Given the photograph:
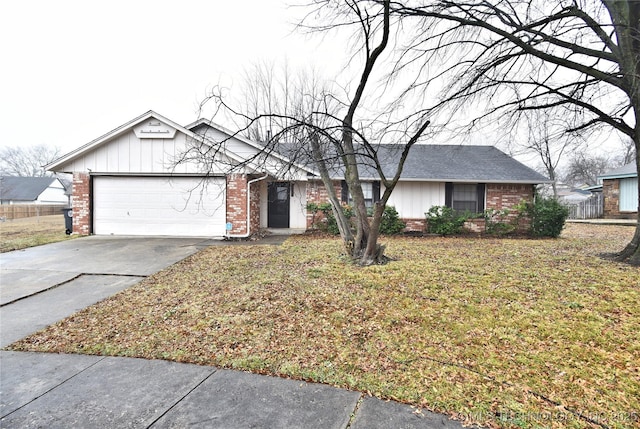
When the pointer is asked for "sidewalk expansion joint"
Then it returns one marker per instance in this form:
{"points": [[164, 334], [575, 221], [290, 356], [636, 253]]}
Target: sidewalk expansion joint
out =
{"points": [[69, 281], [182, 398], [354, 413], [56, 386]]}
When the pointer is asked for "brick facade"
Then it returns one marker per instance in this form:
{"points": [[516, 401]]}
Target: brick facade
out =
{"points": [[415, 224], [317, 193], [506, 196], [81, 203], [611, 193], [498, 197], [236, 203], [255, 207]]}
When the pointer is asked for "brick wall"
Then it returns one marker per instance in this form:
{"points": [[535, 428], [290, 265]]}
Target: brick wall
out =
{"points": [[611, 193], [255, 207], [317, 193], [81, 203], [500, 196], [237, 203], [415, 224], [507, 196]]}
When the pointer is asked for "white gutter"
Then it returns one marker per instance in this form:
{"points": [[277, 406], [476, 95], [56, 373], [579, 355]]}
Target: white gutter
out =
{"points": [[248, 233]]}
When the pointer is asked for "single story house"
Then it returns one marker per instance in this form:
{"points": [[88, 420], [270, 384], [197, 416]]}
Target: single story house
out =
{"points": [[146, 178], [620, 190], [32, 190]]}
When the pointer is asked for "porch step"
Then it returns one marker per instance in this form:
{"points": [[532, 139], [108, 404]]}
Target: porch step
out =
{"points": [[286, 231]]}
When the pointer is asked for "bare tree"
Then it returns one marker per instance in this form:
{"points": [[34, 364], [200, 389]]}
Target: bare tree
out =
{"points": [[28, 161], [584, 168], [330, 131], [627, 153], [514, 56], [548, 141]]}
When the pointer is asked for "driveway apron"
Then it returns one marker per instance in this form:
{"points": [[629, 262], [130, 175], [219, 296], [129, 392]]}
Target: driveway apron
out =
{"points": [[61, 278], [42, 285]]}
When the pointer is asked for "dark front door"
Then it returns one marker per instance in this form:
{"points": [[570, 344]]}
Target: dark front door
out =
{"points": [[278, 207]]}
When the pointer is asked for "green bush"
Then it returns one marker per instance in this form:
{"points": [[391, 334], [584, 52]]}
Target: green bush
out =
{"points": [[330, 224], [445, 221], [497, 222], [547, 217], [391, 223]]}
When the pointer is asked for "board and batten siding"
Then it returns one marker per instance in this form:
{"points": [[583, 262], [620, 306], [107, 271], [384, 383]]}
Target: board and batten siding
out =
{"points": [[413, 199], [127, 153], [629, 194], [264, 161]]}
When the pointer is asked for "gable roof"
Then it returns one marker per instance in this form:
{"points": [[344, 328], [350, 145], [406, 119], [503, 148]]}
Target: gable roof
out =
{"points": [[23, 188], [202, 125], [625, 171], [457, 163], [92, 145], [436, 163], [444, 163], [190, 131], [111, 134]]}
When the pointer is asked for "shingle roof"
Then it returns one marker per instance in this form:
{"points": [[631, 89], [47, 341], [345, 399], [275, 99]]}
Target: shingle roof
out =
{"points": [[448, 163], [628, 170], [23, 188], [457, 163]]}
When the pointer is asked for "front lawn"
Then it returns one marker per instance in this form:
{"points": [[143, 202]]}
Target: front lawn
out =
{"points": [[500, 332], [31, 231]]}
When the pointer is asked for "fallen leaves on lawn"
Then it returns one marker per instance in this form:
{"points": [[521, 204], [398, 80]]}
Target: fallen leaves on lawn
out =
{"points": [[500, 332]]}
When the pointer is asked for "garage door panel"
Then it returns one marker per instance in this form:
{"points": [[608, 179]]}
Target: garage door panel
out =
{"points": [[159, 206]]}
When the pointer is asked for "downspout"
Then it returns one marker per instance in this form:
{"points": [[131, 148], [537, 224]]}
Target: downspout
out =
{"points": [[248, 233]]}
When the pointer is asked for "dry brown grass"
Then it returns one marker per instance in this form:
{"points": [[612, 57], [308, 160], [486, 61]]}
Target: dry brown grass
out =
{"points": [[500, 332], [32, 231]]}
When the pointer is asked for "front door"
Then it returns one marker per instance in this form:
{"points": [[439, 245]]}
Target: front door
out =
{"points": [[278, 206]]}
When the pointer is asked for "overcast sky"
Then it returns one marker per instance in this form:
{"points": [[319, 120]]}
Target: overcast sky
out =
{"points": [[74, 70]]}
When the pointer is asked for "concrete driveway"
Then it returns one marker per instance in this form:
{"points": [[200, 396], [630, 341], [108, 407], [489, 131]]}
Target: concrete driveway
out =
{"points": [[42, 285], [62, 278]]}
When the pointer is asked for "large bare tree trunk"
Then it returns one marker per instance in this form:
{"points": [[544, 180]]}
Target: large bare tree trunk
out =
{"points": [[350, 161], [626, 18], [631, 253], [343, 223]]}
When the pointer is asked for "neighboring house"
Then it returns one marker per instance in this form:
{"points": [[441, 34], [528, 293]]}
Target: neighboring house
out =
{"points": [[583, 203], [620, 189], [569, 194], [32, 190], [128, 182]]}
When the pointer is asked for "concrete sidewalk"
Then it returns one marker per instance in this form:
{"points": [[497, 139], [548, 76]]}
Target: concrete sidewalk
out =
{"points": [[75, 391], [42, 285]]}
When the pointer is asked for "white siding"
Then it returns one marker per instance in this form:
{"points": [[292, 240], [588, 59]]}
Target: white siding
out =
{"points": [[297, 205], [127, 153], [264, 203], [413, 199], [54, 194], [629, 195]]}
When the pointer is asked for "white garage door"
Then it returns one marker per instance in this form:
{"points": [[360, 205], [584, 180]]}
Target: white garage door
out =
{"points": [[159, 206]]}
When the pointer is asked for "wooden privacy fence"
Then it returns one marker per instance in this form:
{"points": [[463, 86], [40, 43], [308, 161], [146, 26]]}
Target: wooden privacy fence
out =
{"points": [[591, 208], [18, 211]]}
